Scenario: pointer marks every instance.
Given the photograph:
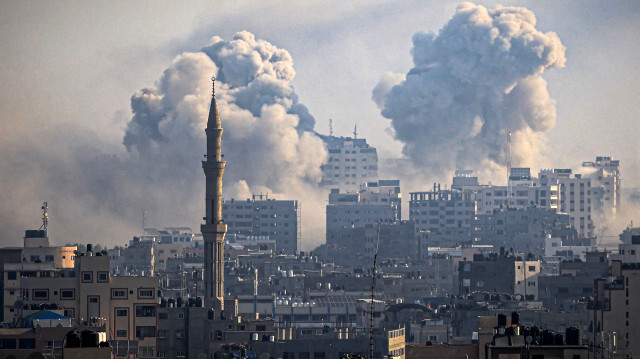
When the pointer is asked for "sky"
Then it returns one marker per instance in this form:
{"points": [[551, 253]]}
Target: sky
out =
{"points": [[68, 71]]}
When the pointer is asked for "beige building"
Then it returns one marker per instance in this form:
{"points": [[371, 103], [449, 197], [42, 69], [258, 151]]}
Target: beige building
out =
{"points": [[613, 314], [37, 249], [126, 307]]}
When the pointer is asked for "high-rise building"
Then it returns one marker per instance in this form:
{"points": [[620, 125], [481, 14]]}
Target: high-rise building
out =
{"points": [[213, 230], [573, 195], [446, 214], [351, 162], [605, 184], [267, 218]]}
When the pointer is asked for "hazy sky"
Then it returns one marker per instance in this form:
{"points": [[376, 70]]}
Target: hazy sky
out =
{"points": [[75, 65]]}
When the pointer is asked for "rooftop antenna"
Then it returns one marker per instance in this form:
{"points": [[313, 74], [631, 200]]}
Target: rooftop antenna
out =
{"points": [[45, 218], [330, 127], [509, 170], [373, 295], [355, 131]]}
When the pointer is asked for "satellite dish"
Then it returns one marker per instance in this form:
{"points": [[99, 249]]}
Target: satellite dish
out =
{"points": [[528, 339], [518, 297]]}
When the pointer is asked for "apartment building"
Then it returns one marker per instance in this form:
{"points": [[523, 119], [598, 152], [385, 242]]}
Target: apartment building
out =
{"points": [[446, 214], [604, 173], [125, 307], [505, 273], [376, 202], [351, 161], [574, 197], [613, 314], [279, 220]]}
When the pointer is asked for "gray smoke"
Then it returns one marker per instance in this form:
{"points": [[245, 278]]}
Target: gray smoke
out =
{"points": [[472, 83], [268, 141], [268, 144]]}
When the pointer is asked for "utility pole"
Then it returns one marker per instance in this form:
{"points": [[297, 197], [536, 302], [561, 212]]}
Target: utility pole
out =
{"points": [[373, 295]]}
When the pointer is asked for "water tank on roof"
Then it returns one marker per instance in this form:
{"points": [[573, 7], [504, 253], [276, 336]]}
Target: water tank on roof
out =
{"points": [[90, 339], [502, 320], [573, 336]]}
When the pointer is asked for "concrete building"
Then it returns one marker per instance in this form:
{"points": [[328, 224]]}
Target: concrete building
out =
{"points": [[351, 162], [505, 273], [605, 184], [447, 214], [574, 281], [376, 202], [574, 197], [613, 314], [464, 180], [37, 249], [124, 307], [268, 218], [503, 226]]}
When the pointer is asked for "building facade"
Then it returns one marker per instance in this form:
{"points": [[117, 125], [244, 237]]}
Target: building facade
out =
{"points": [[351, 161], [264, 217]]}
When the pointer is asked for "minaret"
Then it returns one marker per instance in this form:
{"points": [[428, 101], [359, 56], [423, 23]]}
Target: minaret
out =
{"points": [[213, 230]]}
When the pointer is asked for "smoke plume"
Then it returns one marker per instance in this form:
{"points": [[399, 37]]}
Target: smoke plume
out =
{"points": [[472, 83], [267, 138], [268, 144]]}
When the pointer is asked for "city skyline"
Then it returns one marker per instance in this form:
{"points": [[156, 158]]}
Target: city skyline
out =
{"points": [[83, 113]]}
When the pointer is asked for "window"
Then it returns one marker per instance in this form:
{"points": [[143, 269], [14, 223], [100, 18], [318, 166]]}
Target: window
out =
{"points": [[48, 258], [69, 312], [145, 331], [8, 343], [103, 277], [146, 352], [26, 343], [181, 315], [40, 294], [87, 277], [532, 268], [121, 312], [121, 333], [12, 275], [145, 293], [67, 294], [118, 294], [145, 310]]}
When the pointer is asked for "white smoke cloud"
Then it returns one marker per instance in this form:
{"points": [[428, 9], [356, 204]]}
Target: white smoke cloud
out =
{"points": [[267, 138], [472, 83]]}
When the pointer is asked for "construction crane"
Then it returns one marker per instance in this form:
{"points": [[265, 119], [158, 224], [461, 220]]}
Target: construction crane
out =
{"points": [[373, 295]]}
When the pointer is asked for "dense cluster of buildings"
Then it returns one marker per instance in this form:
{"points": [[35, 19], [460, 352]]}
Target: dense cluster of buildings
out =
{"points": [[476, 271]]}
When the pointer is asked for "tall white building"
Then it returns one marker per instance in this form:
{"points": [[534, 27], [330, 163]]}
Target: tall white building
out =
{"points": [[605, 184], [351, 162], [574, 197]]}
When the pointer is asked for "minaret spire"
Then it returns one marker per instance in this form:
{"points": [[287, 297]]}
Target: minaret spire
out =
{"points": [[213, 230]]}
